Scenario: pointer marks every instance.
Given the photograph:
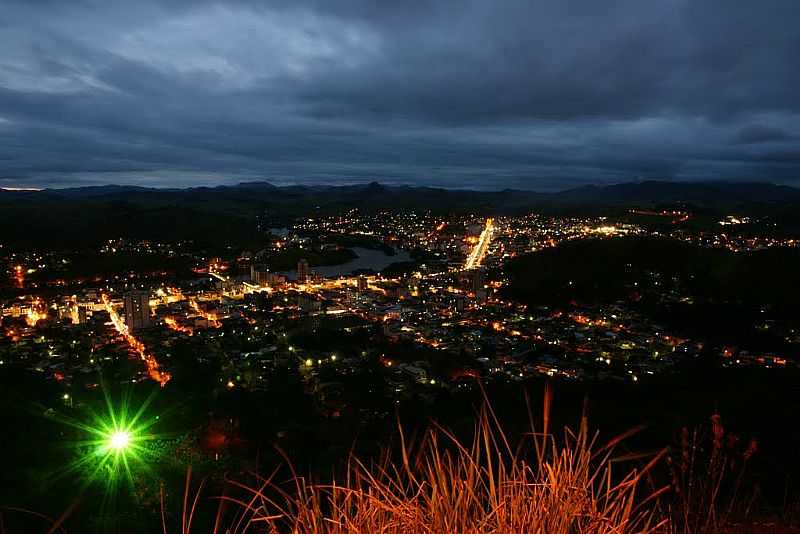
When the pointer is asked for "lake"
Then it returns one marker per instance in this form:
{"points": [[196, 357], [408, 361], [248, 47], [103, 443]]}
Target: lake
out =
{"points": [[375, 260]]}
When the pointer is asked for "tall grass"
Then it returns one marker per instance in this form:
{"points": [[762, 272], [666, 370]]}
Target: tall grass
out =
{"points": [[570, 483], [709, 468], [441, 484]]}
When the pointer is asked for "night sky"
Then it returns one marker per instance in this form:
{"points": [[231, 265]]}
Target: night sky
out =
{"points": [[534, 94]]}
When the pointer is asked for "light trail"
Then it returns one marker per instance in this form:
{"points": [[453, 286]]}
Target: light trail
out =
{"points": [[153, 368], [478, 253]]}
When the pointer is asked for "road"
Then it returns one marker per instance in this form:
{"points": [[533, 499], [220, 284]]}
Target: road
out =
{"points": [[153, 368], [478, 253], [248, 288]]}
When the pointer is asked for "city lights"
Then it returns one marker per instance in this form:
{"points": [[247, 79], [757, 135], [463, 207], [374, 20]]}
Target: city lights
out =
{"points": [[454, 305], [153, 367], [328, 267]]}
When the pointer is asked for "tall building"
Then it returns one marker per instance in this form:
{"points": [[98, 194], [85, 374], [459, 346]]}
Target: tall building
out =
{"points": [[477, 280], [362, 284], [478, 283], [259, 274], [137, 310], [302, 270]]}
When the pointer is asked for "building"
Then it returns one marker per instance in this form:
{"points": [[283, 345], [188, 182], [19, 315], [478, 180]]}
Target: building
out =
{"points": [[478, 284], [81, 316], [137, 310], [302, 270], [362, 284], [259, 274], [477, 280]]}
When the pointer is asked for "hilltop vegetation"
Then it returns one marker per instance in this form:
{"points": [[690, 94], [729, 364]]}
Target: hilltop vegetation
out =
{"points": [[602, 270], [713, 295]]}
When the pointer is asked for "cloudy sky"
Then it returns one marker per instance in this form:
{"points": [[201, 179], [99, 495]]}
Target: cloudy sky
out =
{"points": [[533, 94]]}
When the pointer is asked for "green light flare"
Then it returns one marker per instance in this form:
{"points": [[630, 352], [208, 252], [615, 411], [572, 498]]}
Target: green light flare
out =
{"points": [[119, 441], [116, 447]]}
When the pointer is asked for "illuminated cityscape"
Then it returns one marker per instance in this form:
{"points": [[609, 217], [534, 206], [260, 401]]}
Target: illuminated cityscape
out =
{"points": [[340, 320], [450, 299], [356, 267]]}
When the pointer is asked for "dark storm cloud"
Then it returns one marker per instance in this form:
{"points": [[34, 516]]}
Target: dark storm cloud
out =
{"points": [[540, 95], [760, 134]]}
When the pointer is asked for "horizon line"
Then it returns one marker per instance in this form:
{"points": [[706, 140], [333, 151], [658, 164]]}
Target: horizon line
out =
{"points": [[36, 189]]}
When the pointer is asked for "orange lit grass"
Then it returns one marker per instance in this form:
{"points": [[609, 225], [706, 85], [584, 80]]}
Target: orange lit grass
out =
{"points": [[443, 485]]}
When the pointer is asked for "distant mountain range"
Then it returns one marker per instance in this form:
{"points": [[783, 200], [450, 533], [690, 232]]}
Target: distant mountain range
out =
{"points": [[88, 214], [703, 193], [699, 193]]}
